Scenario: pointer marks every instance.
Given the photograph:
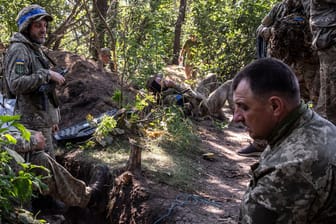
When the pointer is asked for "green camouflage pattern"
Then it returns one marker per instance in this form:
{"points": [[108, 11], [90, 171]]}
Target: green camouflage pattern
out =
{"points": [[323, 26], [25, 74], [61, 184], [294, 181], [323, 23]]}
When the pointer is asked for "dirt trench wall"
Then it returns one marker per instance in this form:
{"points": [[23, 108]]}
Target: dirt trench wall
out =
{"points": [[88, 90]]}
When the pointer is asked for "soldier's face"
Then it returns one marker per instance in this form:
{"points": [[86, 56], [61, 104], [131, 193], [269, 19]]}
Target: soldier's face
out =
{"points": [[254, 112], [38, 31]]}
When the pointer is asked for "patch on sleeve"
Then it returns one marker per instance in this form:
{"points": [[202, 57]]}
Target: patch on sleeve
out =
{"points": [[19, 66]]}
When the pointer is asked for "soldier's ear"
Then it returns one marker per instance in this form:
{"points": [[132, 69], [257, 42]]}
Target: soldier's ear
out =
{"points": [[277, 105]]}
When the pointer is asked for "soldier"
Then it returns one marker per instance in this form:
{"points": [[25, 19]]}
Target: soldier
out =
{"points": [[323, 26], [215, 102], [105, 59], [61, 184], [169, 92], [187, 55], [285, 29], [294, 180], [27, 68]]}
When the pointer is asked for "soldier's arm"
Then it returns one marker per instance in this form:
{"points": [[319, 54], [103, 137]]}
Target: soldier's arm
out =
{"points": [[36, 143], [20, 78], [264, 30], [278, 194]]}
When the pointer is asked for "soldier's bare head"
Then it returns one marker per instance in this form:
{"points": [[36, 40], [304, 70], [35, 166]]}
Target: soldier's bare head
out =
{"points": [[265, 92], [268, 77]]}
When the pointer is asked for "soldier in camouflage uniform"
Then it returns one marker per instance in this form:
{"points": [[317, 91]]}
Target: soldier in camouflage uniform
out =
{"points": [[187, 55], [286, 30], [61, 184], [295, 178], [323, 26], [168, 92], [27, 68]]}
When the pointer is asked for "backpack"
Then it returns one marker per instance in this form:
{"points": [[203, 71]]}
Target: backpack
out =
{"points": [[291, 39], [4, 87]]}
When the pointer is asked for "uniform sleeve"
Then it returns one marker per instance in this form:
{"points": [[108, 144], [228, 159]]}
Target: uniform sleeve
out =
{"points": [[281, 195], [19, 71], [264, 30], [22, 145]]}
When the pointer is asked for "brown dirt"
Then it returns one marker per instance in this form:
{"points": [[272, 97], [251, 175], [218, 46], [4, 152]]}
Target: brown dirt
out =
{"points": [[87, 89], [137, 197]]}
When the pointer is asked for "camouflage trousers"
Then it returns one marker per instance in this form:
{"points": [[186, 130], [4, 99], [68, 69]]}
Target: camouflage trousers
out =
{"points": [[47, 133], [307, 73], [326, 105], [61, 184]]}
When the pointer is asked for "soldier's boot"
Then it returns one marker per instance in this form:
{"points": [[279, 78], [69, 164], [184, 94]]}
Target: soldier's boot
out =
{"points": [[97, 183], [254, 149]]}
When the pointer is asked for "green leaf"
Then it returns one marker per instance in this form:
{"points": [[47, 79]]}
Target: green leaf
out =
{"points": [[24, 132], [9, 118], [10, 139]]}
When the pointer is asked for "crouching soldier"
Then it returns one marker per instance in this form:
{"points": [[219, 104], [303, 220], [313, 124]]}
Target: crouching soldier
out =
{"points": [[61, 184]]}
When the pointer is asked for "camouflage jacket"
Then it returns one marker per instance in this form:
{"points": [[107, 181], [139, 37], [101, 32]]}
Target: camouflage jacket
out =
{"points": [[25, 73], [295, 179], [323, 23]]}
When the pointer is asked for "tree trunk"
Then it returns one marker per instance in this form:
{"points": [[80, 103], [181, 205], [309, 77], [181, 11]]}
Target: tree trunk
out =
{"points": [[178, 29], [99, 10], [134, 161]]}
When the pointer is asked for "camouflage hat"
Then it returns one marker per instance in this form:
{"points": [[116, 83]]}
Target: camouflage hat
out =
{"points": [[29, 14]]}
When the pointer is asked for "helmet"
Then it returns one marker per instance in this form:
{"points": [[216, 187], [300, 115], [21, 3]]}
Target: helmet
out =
{"points": [[29, 14], [105, 51]]}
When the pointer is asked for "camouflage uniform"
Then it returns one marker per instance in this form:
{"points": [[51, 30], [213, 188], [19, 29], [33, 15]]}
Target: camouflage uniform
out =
{"points": [[323, 26], [25, 73], [302, 59], [61, 184], [294, 181]]}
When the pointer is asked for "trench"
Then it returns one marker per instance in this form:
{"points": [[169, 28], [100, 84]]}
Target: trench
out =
{"points": [[125, 197]]}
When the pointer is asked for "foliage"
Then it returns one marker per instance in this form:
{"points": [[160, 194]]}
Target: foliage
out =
{"points": [[230, 30], [144, 32], [105, 127], [180, 131], [9, 10], [16, 186], [142, 102]]}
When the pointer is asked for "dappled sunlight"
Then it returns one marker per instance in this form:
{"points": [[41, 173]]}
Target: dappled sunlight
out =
{"points": [[158, 157], [213, 209]]}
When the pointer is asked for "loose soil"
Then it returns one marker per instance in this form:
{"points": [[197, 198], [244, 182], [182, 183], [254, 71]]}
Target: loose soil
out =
{"points": [[137, 197]]}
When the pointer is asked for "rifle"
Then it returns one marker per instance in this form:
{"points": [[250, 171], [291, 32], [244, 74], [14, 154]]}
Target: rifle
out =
{"points": [[47, 91]]}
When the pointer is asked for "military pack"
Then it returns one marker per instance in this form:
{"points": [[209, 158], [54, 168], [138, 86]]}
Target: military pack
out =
{"points": [[4, 87], [291, 38]]}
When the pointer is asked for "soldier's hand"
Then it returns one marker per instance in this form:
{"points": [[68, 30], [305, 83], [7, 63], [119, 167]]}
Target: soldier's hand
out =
{"points": [[40, 142], [55, 128], [57, 77]]}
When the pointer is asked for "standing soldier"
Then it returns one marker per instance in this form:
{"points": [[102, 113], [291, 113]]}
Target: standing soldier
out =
{"points": [[187, 55], [284, 29], [323, 26], [27, 68]]}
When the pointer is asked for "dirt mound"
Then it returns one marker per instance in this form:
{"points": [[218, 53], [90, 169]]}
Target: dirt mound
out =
{"points": [[88, 90]]}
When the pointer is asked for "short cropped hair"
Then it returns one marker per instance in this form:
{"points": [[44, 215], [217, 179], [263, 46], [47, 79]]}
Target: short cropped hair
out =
{"points": [[268, 76]]}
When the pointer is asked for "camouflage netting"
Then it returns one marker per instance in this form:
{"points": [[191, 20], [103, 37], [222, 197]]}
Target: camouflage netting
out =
{"points": [[88, 90], [291, 39]]}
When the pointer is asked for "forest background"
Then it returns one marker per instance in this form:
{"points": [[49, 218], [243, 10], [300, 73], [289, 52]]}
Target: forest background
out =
{"points": [[146, 35]]}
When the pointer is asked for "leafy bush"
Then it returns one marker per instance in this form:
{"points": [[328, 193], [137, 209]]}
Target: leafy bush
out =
{"points": [[17, 180]]}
